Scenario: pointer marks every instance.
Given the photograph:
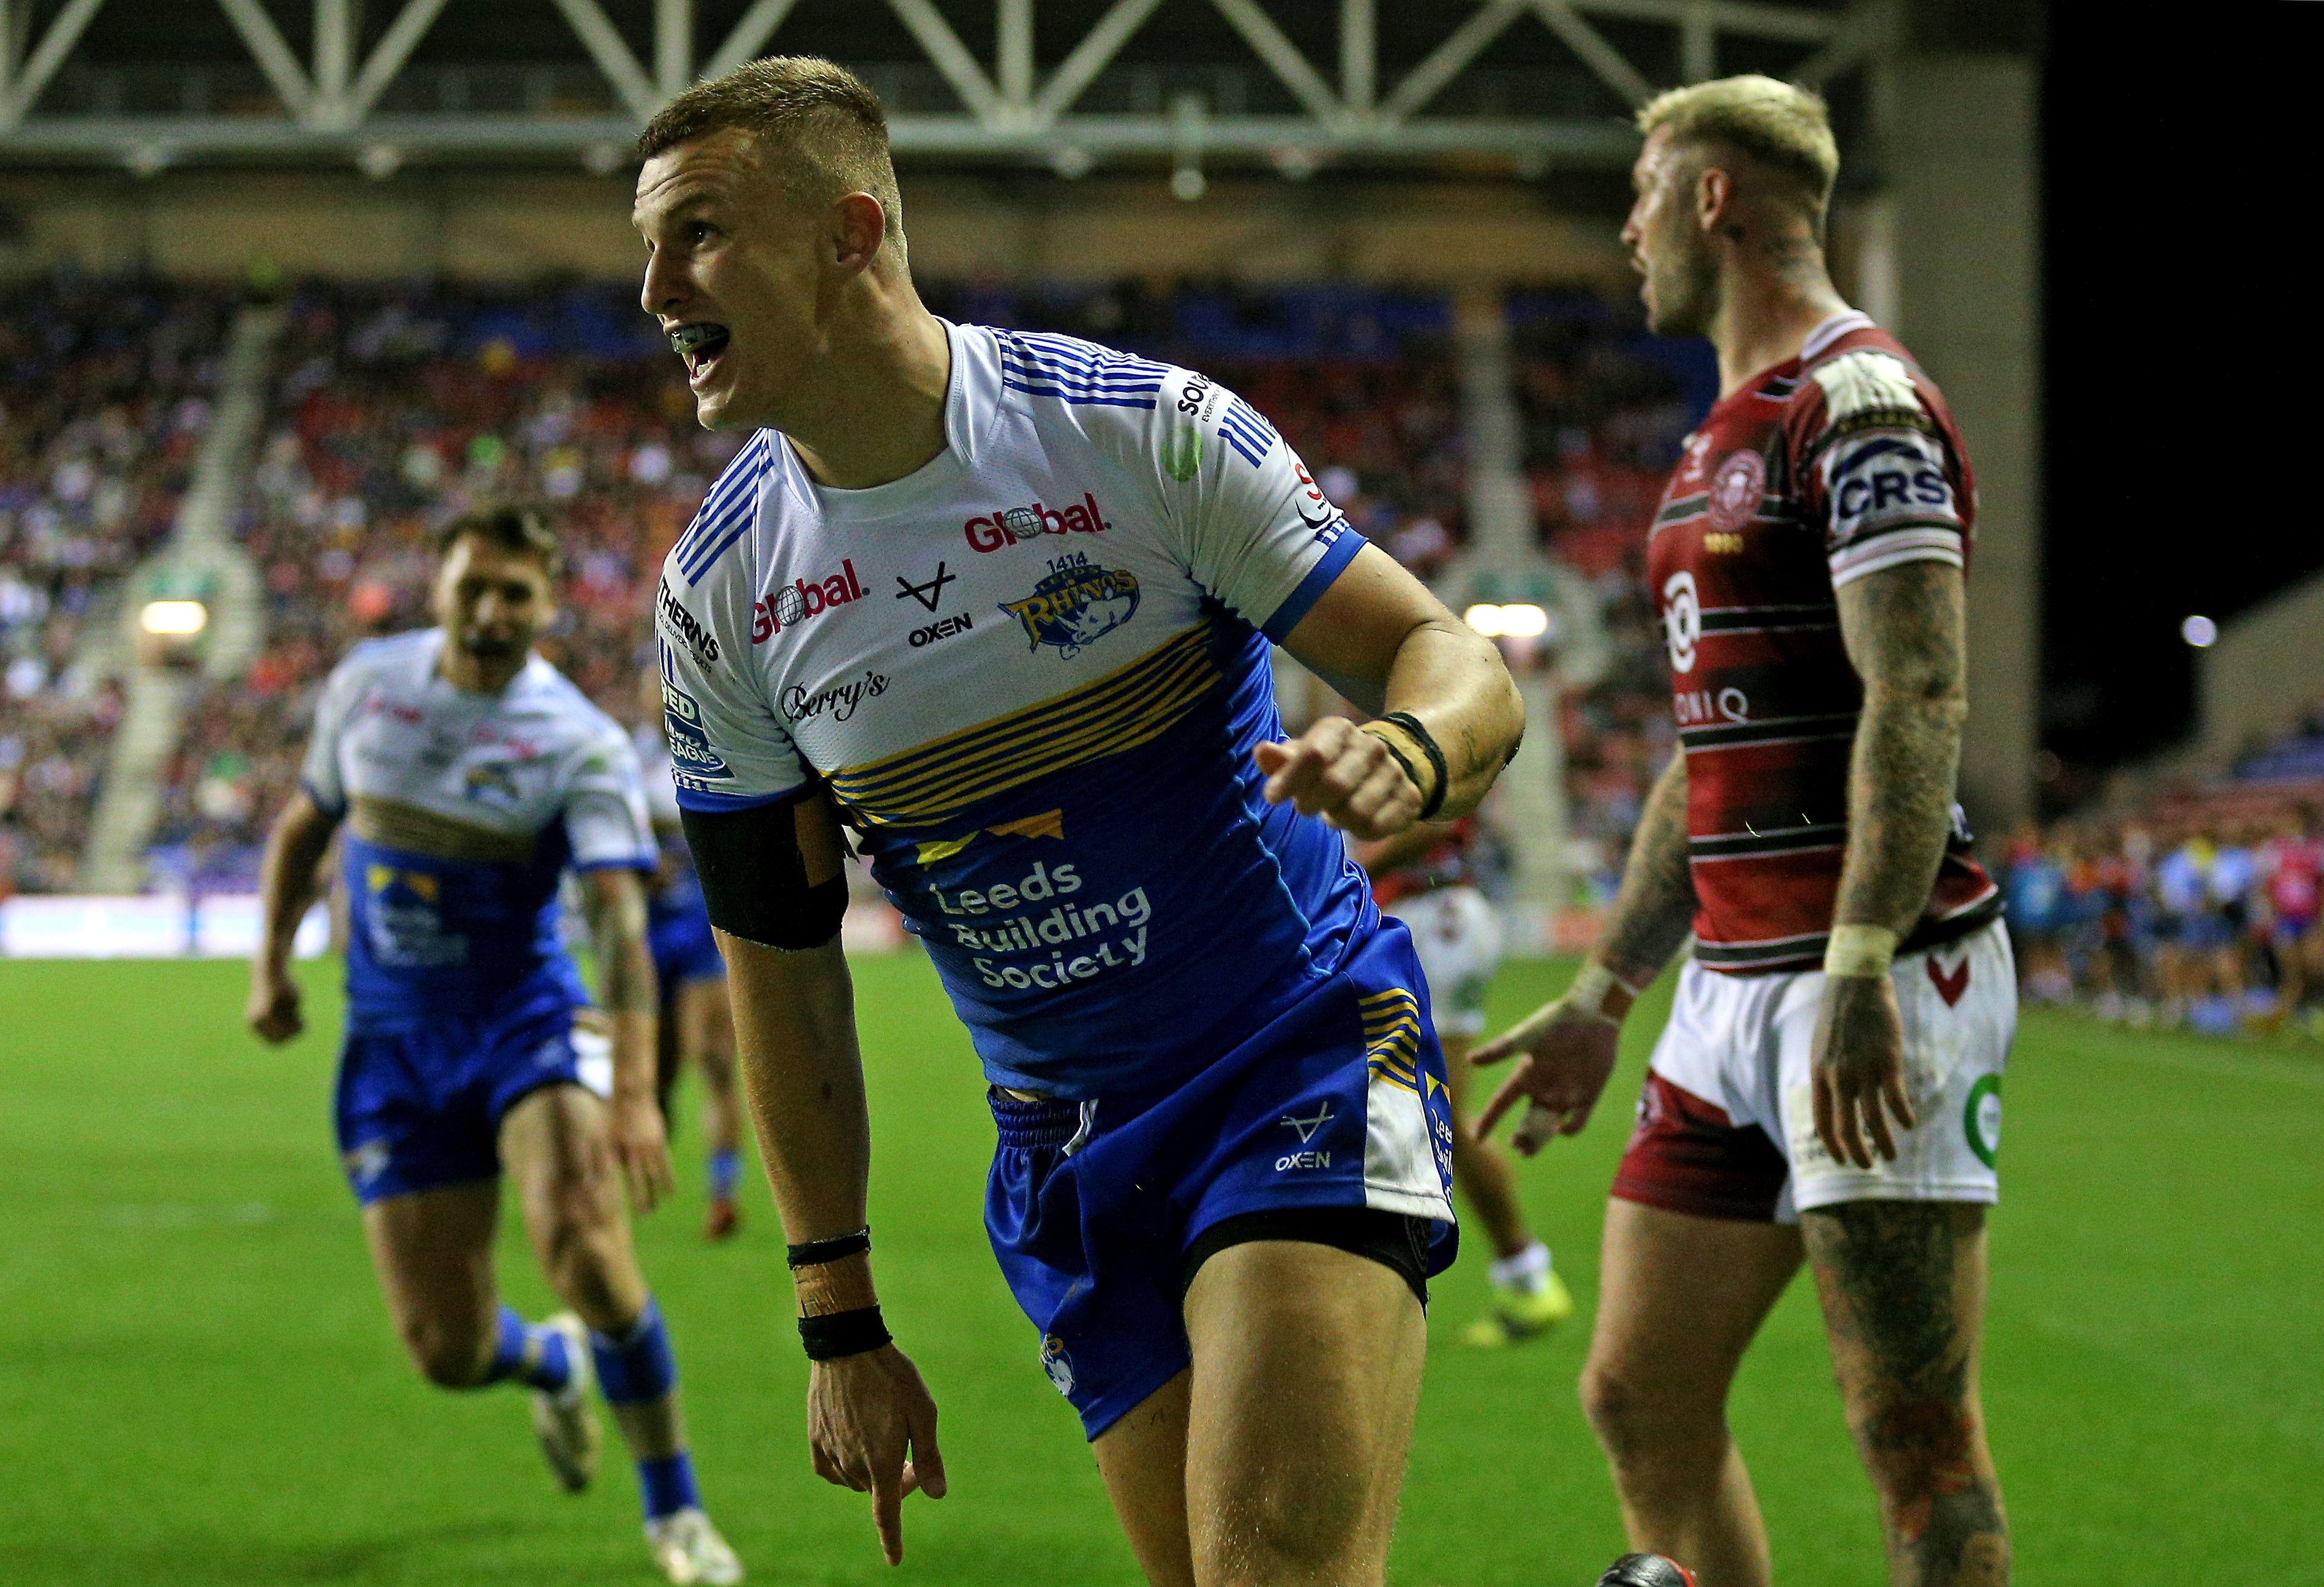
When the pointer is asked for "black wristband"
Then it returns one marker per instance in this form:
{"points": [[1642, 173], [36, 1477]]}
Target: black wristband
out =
{"points": [[837, 1334], [814, 1253], [1411, 725]]}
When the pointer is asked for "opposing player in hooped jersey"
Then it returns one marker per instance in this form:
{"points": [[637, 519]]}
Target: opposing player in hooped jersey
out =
{"points": [[471, 776], [1001, 605], [1828, 1083]]}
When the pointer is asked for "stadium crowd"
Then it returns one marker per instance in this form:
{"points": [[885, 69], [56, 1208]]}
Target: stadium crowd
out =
{"points": [[2201, 911], [104, 394]]}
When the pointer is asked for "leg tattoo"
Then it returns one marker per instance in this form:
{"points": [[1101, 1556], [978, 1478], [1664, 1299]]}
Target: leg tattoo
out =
{"points": [[1903, 1290]]}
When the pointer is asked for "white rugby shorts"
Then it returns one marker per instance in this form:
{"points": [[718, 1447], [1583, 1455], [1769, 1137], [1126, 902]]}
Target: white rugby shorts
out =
{"points": [[1457, 935], [1741, 1043]]}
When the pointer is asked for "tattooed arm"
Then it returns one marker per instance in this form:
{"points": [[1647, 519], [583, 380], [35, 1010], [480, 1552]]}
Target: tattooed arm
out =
{"points": [[614, 902], [1570, 1042], [1903, 626]]}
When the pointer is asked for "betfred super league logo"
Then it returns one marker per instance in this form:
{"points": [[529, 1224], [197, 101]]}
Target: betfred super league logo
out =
{"points": [[1076, 603]]}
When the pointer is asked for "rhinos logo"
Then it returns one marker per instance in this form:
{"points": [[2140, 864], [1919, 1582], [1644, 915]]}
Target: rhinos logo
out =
{"points": [[1074, 604]]}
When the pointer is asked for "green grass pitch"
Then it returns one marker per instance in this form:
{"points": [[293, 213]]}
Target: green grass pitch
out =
{"points": [[198, 1383]]}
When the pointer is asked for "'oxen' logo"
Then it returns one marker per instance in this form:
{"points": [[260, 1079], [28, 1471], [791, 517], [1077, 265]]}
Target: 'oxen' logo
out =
{"points": [[1076, 603]]}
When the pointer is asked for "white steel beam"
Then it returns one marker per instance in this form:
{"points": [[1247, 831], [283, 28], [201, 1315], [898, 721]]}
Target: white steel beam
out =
{"points": [[26, 84], [388, 56], [1092, 56], [1359, 56], [1729, 17], [1282, 57], [1698, 43], [673, 46], [265, 41], [749, 35], [604, 41], [335, 49], [1596, 53], [949, 55], [1871, 26], [1449, 59], [1014, 26]]}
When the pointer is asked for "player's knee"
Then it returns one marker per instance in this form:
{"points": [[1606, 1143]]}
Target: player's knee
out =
{"points": [[579, 1247], [1286, 1525], [1637, 1414], [1916, 1446]]}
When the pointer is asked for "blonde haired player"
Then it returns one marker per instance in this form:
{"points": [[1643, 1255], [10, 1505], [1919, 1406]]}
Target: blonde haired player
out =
{"points": [[1828, 1083]]}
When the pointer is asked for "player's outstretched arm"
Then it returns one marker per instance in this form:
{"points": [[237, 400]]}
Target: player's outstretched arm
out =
{"points": [[1378, 637], [1569, 1044], [773, 880], [286, 888], [1905, 629], [613, 900]]}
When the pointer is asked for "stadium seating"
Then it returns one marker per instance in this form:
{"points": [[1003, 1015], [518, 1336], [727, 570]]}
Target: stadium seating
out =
{"points": [[103, 396]]}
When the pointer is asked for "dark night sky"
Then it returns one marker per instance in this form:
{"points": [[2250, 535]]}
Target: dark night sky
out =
{"points": [[2183, 353]]}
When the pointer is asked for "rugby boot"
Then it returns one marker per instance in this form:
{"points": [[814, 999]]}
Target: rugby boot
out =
{"points": [[722, 1220], [686, 1548], [1521, 1311], [563, 1419]]}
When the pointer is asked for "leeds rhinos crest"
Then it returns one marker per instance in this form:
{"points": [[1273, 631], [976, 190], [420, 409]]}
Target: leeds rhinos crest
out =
{"points": [[1075, 603]]}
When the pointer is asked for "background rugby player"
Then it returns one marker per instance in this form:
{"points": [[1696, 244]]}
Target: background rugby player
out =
{"points": [[471, 775], [1223, 1134], [1808, 559], [696, 1028]]}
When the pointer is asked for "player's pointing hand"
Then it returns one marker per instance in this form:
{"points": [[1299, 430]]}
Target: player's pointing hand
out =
{"points": [[865, 1414], [1348, 776]]}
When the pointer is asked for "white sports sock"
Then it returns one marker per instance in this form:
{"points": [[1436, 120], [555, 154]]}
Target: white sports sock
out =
{"points": [[1527, 1270]]}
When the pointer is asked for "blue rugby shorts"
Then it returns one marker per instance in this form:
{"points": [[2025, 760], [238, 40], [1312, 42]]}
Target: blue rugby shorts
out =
{"points": [[420, 1105], [1090, 1207]]}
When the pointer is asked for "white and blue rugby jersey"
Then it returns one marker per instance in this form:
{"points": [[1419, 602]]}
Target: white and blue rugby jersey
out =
{"points": [[535, 767], [1031, 674]]}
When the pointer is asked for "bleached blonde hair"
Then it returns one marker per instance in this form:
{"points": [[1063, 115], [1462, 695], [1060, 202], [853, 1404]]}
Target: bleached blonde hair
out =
{"points": [[1780, 125]]}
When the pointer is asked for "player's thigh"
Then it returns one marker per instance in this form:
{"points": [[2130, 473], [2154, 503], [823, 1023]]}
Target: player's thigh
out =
{"points": [[1680, 1299], [433, 1252], [1902, 1286], [1307, 1364], [1143, 1459], [553, 1142]]}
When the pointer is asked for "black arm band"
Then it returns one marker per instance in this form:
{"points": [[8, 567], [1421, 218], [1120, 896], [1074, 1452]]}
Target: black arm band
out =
{"points": [[837, 1334], [754, 879], [815, 1253], [1411, 725]]}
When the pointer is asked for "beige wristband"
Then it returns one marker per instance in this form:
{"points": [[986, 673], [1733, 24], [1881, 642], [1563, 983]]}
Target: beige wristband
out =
{"points": [[1600, 992], [1859, 953]]}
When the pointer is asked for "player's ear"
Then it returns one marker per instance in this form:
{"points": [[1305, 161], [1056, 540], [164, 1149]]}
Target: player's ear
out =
{"points": [[856, 228], [1714, 197]]}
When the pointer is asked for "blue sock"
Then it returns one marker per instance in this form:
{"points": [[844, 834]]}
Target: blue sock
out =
{"points": [[533, 1355], [667, 1485], [637, 1367], [725, 1172]]}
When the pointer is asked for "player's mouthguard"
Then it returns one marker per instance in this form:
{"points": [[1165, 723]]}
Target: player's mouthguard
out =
{"points": [[702, 338]]}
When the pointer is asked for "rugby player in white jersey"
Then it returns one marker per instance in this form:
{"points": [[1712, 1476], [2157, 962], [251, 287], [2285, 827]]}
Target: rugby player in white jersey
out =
{"points": [[470, 775], [1001, 604], [1829, 1083]]}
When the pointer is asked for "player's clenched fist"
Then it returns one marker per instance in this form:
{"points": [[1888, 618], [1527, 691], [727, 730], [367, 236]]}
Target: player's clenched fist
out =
{"points": [[274, 1008], [1568, 1047], [1346, 774]]}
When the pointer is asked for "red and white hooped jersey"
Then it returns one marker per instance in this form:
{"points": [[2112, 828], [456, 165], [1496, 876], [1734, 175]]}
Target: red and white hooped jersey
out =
{"points": [[1824, 468]]}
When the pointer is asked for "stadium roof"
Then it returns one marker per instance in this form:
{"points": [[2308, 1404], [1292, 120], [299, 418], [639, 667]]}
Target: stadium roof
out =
{"points": [[151, 84]]}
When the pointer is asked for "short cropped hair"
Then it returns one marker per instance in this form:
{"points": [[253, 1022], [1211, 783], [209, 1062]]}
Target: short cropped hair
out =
{"points": [[822, 128], [523, 530], [1779, 124]]}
